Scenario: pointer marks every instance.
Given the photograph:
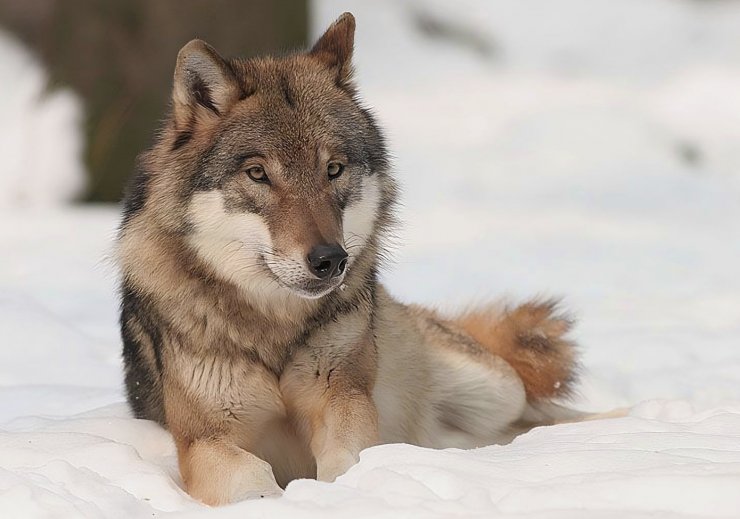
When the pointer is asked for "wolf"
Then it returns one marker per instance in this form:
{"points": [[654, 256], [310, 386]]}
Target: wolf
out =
{"points": [[254, 326]]}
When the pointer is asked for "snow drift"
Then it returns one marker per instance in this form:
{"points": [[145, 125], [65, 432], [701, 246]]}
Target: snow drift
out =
{"points": [[589, 150]]}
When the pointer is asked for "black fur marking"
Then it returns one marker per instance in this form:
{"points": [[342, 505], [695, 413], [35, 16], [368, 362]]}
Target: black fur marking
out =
{"points": [[139, 384], [352, 194], [537, 343], [136, 306], [459, 339], [135, 196], [249, 155], [143, 387], [375, 145], [287, 92], [342, 201], [373, 276], [365, 147], [199, 181], [202, 94], [386, 206], [202, 182], [182, 139]]}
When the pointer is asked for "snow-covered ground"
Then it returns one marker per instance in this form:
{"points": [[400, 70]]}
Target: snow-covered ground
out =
{"points": [[587, 148]]}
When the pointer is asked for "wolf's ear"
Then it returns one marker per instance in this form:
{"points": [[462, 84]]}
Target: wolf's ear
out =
{"points": [[204, 85], [334, 48]]}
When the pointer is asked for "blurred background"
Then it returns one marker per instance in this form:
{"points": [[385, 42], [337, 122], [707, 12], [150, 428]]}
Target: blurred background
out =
{"points": [[116, 58], [586, 148], [99, 72]]}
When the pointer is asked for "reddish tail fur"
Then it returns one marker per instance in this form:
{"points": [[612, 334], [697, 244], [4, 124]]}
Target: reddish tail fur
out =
{"points": [[530, 337]]}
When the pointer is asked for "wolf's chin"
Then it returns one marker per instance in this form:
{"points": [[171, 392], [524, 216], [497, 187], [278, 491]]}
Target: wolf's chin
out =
{"points": [[313, 289], [303, 294], [306, 293]]}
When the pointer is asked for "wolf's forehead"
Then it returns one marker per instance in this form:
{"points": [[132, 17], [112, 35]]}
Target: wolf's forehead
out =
{"points": [[291, 106], [264, 124], [296, 81]]}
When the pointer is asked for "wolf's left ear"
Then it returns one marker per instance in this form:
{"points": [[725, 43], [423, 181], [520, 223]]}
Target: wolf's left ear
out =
{"points": [[334, 48], [204, 83]]}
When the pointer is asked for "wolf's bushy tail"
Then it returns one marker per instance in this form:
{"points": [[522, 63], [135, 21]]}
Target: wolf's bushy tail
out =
{"points": [[532, 338]]}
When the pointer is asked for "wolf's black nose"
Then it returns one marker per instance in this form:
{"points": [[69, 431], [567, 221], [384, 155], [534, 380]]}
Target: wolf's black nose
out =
{"points": [[327, 261]]}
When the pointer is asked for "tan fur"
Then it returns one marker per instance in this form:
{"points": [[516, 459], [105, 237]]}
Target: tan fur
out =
{"points": [[217, 472], [532, 338], [261, 377]]}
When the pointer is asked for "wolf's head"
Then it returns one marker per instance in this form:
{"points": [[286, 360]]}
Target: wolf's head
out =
{"points": [[271, 169]]}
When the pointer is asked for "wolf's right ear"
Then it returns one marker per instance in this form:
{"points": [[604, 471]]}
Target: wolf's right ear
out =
{"points": [[334, 48], [204, 84]]}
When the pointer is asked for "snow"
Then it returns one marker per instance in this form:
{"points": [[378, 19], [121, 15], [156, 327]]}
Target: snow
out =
{"points": [[40, 139], [592, 153]]}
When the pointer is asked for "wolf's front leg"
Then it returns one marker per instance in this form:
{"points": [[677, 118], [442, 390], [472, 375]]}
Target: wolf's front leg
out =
{"points": [[329, 390], [346, 424], [217, 421]]}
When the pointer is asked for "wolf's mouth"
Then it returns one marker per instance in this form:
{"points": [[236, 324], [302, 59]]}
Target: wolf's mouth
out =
{"points": [[313, 289]]}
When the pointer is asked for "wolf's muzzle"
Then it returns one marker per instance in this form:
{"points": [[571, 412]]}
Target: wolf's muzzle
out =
{"points": [[327, 261]]}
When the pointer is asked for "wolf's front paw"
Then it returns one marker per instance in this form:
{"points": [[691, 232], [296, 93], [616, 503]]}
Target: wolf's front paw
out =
{"points": [[219, 473], [332, 464], [259, 482]]}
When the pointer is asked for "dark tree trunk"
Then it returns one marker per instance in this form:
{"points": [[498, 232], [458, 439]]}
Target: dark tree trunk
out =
{"points": [[119, 55]]}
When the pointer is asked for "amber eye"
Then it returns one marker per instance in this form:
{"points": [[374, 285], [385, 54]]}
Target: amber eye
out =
{"points": [[335, 170], [257, 173]]}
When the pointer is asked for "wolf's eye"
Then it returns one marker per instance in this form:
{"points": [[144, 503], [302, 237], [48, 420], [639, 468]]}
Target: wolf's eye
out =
{"points": [[335, 170], [257, 173]]}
